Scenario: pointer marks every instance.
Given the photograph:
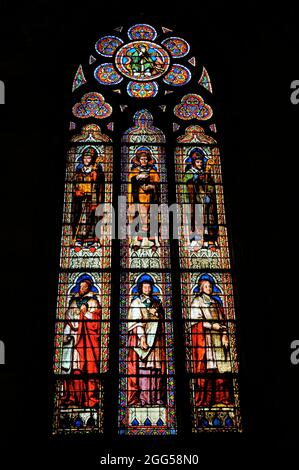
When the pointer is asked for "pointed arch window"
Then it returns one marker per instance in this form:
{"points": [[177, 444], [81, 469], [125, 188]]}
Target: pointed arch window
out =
{"points": [[146, 356], [142, 136]]}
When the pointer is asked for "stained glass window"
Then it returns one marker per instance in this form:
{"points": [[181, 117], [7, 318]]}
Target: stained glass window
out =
{"points": [[88, 184], [81, 350], [83, 307], [209, 321], [144, 185], [147, 404], [146, 356], [207, 293], [143, 138]]}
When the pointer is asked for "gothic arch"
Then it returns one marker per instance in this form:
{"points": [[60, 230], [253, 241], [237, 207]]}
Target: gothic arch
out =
{"points": [[142, 127]]}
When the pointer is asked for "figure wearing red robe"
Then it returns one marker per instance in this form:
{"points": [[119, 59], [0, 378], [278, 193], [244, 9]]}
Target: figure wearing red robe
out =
{"points": [[81, 350], [210, 349]]}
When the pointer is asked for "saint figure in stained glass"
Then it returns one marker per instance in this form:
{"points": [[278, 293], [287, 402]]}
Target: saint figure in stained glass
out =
{"points": [[89, 182], [142, 61], [81, 344], [146, 354], [143, 191], [210, 347], [200, 196]]}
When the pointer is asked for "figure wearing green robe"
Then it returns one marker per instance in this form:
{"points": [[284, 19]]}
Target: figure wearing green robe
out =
{"points": [[200, 197], [141, 63]]}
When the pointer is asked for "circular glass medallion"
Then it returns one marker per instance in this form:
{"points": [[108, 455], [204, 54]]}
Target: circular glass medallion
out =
{"points": [[177, 47], [142, 31], [142, 90], [106, 74], [142, 61], [177, 76], [107, 45]]}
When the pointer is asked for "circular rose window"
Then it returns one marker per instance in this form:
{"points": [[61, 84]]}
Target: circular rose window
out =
{"points": [[142, 60]]}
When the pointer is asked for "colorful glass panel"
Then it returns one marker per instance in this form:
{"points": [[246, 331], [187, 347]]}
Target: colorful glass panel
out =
{"points": [[207, 296], [92, 105], [144, 186], [147, 402], [107, 45], [205, 80], [177, 47], [146, 354], [143, 130], [195, 134], [142, 31], [203, 241], [178, 75], [79, 79], [87, 220], [86, 230], [83, 304], [192, 106], [142, 90], [106, 74], [210, 337], [78, 419], [81, 349], [142, 60], [147, 280]]}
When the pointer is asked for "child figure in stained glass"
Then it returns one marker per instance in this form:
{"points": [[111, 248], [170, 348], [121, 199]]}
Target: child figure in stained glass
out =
{"points": [[210, 348], [146, 354], [143, 190], [81, 345], [200, 196], [89, 183]]}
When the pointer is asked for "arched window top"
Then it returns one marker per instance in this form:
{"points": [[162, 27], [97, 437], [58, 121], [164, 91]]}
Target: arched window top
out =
{"points": [[143, 131], [195, 134], [91, 133]]}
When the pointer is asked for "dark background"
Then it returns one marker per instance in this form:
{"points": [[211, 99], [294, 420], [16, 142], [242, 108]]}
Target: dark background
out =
{"points": [[251, 56]]}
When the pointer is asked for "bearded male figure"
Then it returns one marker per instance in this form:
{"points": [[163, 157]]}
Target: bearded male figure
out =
{"points": [[200, 196], [144, 191]]}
